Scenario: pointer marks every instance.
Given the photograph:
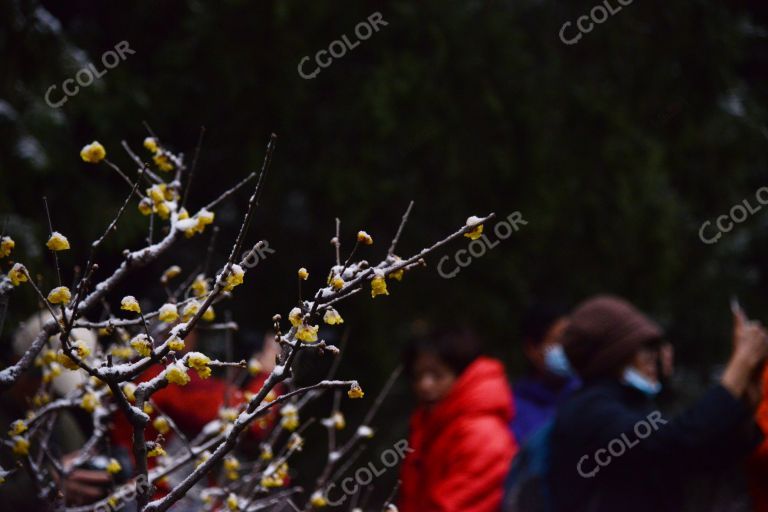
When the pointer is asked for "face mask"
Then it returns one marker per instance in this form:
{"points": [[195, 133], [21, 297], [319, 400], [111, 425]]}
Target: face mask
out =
{"points": [[641, 383], [557, 362]]}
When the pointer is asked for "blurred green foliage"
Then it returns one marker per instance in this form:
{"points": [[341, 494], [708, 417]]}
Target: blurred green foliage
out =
{"points": [[615, 150]]}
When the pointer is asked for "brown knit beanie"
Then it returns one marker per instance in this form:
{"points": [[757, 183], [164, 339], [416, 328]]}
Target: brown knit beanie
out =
{"points": [[603, 333]]}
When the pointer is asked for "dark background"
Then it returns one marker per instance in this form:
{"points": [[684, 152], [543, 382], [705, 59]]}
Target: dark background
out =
{"points": [[615, 150]]}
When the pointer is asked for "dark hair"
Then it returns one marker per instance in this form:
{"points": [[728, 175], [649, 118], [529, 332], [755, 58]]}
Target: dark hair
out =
{"points": [[457, 348], [538, 319]]}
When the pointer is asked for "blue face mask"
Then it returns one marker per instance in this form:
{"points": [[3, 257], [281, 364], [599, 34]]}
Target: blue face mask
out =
{"points": [[641, 383], [557, 362]]}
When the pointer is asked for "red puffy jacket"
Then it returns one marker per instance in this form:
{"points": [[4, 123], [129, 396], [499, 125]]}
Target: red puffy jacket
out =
{"points": [[758, 464], [462, 447]]}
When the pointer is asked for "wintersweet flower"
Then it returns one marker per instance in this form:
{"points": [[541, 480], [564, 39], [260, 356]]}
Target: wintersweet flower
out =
{"points": [[157, 192], [145, 206], [161, 425], [141, 344], [170, 273], [148, 409], [129, 303], [151, 144], [93, 153], [303, 274], [337, 282], [232, 503], [254, 366], [332, 317], [290, 420], [176, 344], [307, 333], [113, 467], [163, 162], [235, 277], [338, 421], [89, 402], [355, 391], [168, 313], [228, 414], [364, 238], [295, 442], [20, 446], [199, 286], [378, 284], [209, 315], [317, 500], [231, 466], [183, 214], [122, 352], [17, 274], [155, 450], [52, 371], [475, 232], [163, 211], [176, 373], [17, 427], [199, 362], [57, 242], [129, 388], [190, 310], [59, 295], [266, 452], [6, 246], [295, 316], [203, 457]]}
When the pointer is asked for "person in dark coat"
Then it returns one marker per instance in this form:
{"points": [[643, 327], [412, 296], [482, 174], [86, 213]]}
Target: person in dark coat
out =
{"points": [[549, 378], [610, 448]]}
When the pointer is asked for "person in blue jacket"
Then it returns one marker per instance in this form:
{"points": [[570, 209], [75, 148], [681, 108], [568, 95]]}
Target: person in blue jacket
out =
{"points": [[549, 378]]}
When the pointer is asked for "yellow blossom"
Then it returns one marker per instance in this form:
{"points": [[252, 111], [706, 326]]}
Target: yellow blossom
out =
{"points": [[161, 424], [57, 242], [89, 402], [203, 218], [6, 246], [176, 373], [295, 442], [303, 274], [148, 409], [129, 388], [163, 162], [113, 467], [355, 391], [17, 274], [183, 214], [203, 457], [364, 238], [338, 420], [168, 313], [151, 144], [235, 277], [40, 399], [200, 363], [199, 286], [93, 153], [51, 372], [231, 463], [378, 285], [141, 344], [122, 351], [59, 295], [332, 317], [176, 344], [266, 452], [20, 446], [337, 282], [170, 273], [228, 414], [163, 210], [209, 315], [155, 450], [129, 303], [397, 274], [271, 481], [190, 310], [294, 316], [254, 366], [307, 333], [290, 420], [317, 500], [157, 192], [475, 232], [17, 427], [145, 206], [232, 502]]}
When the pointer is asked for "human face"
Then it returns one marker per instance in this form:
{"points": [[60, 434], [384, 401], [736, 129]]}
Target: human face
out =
{"points": [[646, 362], [432, 378], [535, 353]]}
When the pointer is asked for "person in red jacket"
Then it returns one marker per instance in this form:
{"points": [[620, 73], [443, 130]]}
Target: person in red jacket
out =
{"points": [[758, 464], [460, 446]]}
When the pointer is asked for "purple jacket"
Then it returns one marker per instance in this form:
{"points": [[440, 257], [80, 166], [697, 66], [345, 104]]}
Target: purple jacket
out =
{"points": [[535, 404]]}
